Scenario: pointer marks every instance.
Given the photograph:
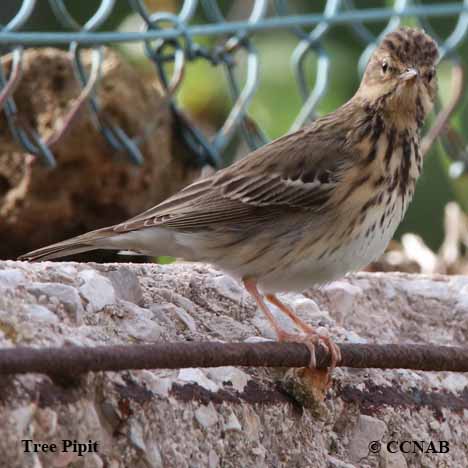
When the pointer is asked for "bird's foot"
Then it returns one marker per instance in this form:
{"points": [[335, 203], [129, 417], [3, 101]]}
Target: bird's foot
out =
{"points": [[310, 385], [312, 339]]}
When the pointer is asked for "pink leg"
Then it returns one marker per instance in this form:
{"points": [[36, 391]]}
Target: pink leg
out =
{"points": [[305, 327], [311, 337], [251, 287]]}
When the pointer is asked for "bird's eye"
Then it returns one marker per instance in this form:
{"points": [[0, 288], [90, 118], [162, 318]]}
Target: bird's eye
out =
{"points": [[384, 66]]}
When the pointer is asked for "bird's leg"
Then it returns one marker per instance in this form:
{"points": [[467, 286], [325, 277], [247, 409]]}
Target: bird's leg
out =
{"points": [[311, 339], [335, 353], [305, 327], [251, 287]]}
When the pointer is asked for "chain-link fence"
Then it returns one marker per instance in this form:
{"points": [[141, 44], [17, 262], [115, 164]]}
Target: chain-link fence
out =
{"points": [[171, 40]]}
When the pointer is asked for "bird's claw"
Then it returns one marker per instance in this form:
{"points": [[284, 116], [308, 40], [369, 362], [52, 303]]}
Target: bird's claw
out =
{"points": [[311, 340]]}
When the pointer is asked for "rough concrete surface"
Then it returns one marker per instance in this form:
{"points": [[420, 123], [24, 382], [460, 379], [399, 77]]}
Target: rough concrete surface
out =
{"points": [[226, 417]]}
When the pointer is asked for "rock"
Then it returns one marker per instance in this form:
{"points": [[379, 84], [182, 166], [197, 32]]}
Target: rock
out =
{"points": [[138, 323], [136, 436], [40, 313], [228, 287], [368, 429], [126, 285], [199, 377], [174, 298], [213, 459], [235, 377], [62, 272], [162, 313], [141, 331], [11, 278], [153, 455], [307, 308], [392, 460], [206, 416], [93, 461], [47, 420], [96, 289], [334, 462], [161, 386], [427, 289], [256, 339], [185, 318], [251, 423], [461, 306], [66, 295], [343, 296], [353, 337], [232, 424], [22, 418]]}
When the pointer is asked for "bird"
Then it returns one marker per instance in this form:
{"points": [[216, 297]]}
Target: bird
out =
{"points": [[308, 207]]}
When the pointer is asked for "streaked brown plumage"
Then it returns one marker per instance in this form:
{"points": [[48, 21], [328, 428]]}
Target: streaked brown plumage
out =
{"points": [[310, 206]]}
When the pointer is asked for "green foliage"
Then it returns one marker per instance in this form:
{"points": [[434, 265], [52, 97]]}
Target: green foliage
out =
{"points": [[164, 260]]}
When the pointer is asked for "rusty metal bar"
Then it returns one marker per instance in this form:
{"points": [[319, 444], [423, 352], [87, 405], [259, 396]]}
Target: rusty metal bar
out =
{"points": [[77, 360]]}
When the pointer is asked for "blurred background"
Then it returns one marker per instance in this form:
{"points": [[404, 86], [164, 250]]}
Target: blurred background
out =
{"points": [[436, 218]]}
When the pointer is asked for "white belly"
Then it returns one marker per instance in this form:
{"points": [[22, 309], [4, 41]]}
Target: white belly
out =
{"points": [[351, 256]]}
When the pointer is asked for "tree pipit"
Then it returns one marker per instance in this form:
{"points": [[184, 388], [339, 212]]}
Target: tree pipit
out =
{"points": [[308, 207]]}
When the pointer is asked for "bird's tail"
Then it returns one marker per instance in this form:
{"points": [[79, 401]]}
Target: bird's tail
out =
{"points": [[83, 243]]}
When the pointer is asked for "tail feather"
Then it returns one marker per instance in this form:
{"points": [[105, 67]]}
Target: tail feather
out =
{"points": [[50, 252], [83, 243]]}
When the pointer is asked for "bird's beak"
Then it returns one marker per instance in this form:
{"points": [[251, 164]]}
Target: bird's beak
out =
{"points": [[409, 74]]}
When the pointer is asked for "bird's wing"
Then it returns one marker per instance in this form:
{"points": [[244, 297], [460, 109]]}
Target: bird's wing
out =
{"points": [[291, 173]]}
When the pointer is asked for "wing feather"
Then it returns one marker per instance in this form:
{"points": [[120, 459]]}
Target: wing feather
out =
{"points": [[290, 173]]}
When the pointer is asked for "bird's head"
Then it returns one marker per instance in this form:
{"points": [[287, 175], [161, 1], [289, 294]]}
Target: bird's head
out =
{"points": [[400, 77]]}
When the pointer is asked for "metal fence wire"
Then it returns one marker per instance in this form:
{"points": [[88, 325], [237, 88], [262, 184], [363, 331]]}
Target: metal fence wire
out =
{"points": [[175, 38]]}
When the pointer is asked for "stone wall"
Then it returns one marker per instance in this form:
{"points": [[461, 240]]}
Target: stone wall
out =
{"points": [[225, 417]]}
